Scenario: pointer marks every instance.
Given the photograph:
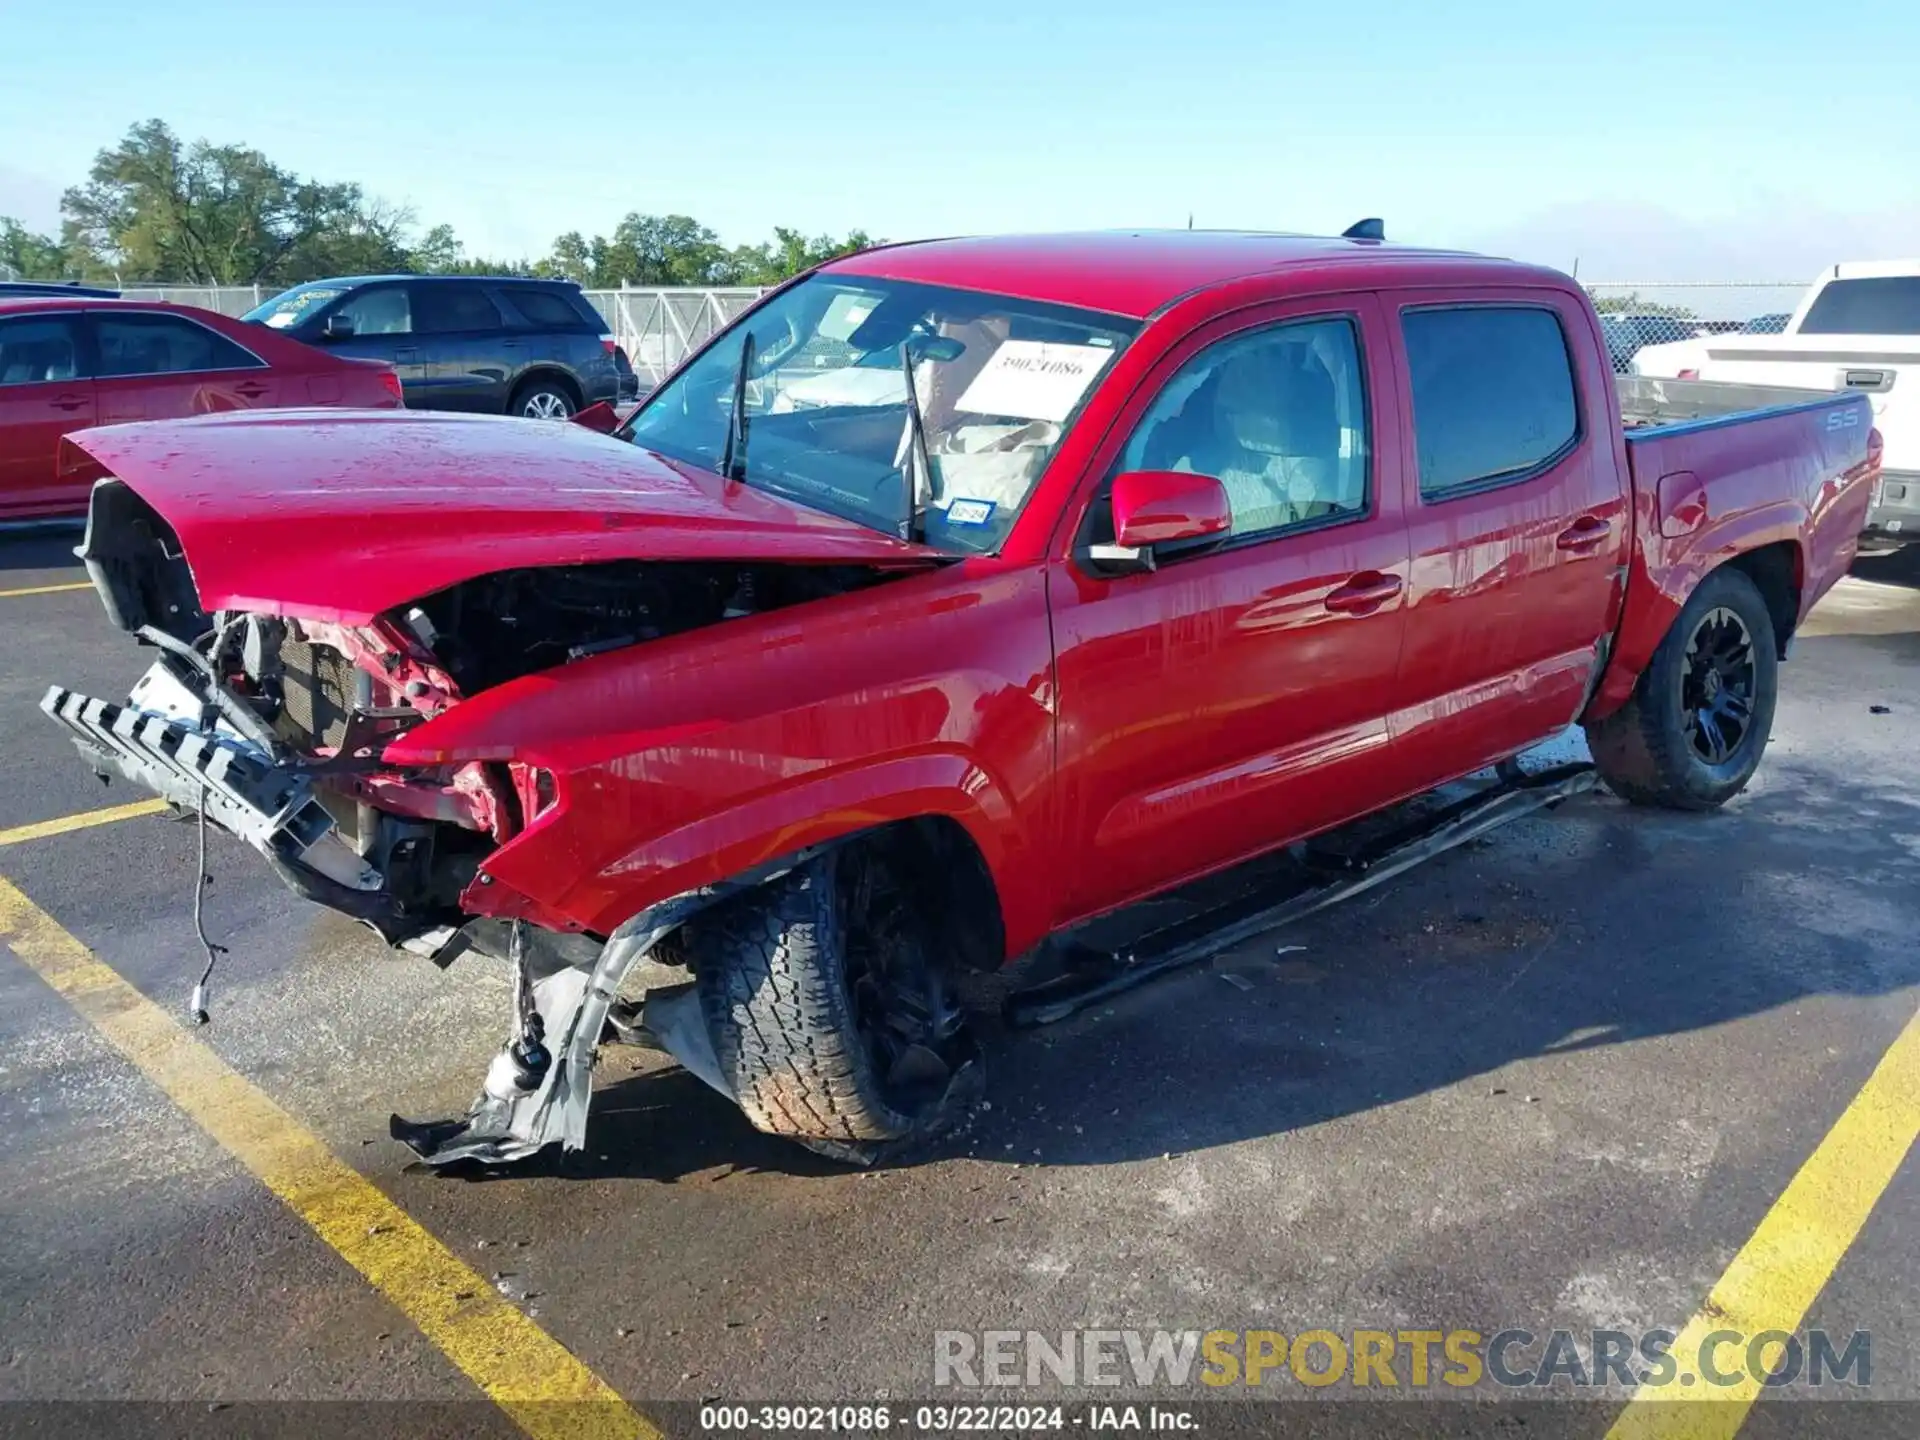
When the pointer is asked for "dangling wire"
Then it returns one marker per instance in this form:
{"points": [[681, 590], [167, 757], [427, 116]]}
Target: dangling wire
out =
{"points": [[202, 879]]}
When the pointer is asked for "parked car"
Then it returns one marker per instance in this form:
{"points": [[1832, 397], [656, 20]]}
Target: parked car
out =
{"points": [[498, 345], [1857, 327], [629, 380], [1188, 547], [70, 362]]}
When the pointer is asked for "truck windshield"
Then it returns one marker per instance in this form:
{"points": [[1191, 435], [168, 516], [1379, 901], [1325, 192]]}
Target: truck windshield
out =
{"points": [[997, 383], [1869, 305]]}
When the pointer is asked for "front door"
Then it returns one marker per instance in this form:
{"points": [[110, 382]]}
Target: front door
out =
{"points": [[44, 394], [381, 321], [1236, 698], [1518, 521]]}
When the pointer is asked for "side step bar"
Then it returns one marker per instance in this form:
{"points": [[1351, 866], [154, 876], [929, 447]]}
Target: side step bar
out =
{"points": [[1093, 975]]}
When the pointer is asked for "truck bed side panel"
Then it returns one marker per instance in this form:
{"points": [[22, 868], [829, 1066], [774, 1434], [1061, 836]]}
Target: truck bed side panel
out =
{"points": [[1706, 491]]}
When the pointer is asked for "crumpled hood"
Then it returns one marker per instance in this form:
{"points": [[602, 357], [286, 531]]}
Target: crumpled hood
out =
{"points": [[339, 515]]}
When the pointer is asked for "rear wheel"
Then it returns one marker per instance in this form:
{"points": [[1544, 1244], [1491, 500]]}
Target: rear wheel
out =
{"points": [[542, 399], [830, 1015], [1693, 733]]}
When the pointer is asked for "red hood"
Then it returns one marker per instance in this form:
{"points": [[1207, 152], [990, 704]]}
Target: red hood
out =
{"points": [[340, 515]]}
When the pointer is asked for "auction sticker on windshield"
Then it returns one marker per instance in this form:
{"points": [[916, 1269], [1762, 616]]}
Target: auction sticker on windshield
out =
{"points": [[1034, 380]]}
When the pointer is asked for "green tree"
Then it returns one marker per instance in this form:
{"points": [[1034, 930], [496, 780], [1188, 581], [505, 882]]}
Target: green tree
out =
{"points": [[1632, 304], [30, 256], [679, 250], [155, 208]]}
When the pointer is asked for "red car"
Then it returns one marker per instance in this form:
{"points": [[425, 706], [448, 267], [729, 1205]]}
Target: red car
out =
{"points": [[958, 594], [70, 363]]}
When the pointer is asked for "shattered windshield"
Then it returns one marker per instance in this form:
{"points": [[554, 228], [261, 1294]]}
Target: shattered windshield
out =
{"points": [[996, 382]]}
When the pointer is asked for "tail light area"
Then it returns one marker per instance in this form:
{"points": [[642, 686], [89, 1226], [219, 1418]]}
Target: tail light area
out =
{"points": [[606, 344], [390, 382]]}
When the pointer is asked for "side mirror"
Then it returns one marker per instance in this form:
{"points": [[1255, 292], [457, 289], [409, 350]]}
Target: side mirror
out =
{"points": [[599, 417], [338, 327], [1158, 507]]}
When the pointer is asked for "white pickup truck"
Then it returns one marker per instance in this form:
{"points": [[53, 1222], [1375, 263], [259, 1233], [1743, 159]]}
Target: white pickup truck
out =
{"points": [[1856, 328]]}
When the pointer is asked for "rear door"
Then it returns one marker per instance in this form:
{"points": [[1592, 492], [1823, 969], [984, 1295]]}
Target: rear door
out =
{"points": [[1518, 520], [44, 394], [464, 345], [1237, 696], [560, 328], [156, 365]]}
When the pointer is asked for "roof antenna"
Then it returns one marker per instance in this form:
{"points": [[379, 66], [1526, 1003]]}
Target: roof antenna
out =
{"points": [[1189, 219], [1371, 229]]}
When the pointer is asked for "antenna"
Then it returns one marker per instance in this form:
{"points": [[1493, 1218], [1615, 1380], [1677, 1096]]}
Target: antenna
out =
{"points": [[1189, 219], [1371, 229]]}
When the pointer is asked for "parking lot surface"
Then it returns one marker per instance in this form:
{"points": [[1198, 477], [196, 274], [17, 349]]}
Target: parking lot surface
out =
{"points": [[1556, 1079]]}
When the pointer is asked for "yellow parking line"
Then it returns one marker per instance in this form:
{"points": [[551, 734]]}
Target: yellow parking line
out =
{"points": [[46, 590], [522, 1369], [1774, 1279], [85, 820]]}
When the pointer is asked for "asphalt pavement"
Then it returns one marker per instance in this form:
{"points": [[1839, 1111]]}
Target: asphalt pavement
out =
{"points": [[1556, 1079]]}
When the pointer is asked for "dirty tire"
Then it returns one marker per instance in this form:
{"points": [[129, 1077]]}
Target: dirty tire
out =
{"points": [[772, 969], [1646, 750]]}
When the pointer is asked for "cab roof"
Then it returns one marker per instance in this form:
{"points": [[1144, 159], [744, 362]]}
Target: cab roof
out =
{"points": [[1135, 272]]}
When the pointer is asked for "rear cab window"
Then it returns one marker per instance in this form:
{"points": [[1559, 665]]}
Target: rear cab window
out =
{"points": [[1493, 395], [1866, 305]]}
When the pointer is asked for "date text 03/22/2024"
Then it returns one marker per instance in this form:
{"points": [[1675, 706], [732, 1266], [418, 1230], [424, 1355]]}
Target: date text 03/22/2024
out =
{"points": [[941, 1419]]}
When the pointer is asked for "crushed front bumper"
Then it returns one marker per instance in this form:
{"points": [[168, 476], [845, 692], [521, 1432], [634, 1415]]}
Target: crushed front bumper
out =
{"points": [[166, 738]]}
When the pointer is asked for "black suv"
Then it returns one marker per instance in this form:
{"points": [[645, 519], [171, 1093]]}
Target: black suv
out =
{"points": [[497, 344]]}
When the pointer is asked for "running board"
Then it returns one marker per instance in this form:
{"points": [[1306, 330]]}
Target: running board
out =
{"points": [[1335, 875]]}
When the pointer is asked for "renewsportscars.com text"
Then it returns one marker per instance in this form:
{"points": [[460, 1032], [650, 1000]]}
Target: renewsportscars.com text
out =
{"points": [[1395, 1359]]}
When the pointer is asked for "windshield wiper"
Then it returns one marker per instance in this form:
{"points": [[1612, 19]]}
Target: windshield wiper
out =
{"points": [[733, 459], [911, 527]]}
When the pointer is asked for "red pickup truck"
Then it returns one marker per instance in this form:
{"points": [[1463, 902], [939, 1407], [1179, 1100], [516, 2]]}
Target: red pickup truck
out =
{"points": [[958, 593]]}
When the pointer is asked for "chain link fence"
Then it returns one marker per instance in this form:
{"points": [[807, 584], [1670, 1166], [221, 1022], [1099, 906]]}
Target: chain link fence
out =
{"points": [[1655, 328], [658, 327], [224, 299]]}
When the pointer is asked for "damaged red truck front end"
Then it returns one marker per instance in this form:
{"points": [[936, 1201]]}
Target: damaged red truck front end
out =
{"points": [[327, 618]]}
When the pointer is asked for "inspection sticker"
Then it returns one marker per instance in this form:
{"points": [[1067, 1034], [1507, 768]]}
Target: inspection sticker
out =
{"points": [[1033, 380], [969, 512]]}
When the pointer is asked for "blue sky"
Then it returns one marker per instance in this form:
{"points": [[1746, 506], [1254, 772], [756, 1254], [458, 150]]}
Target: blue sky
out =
{"points": [[1676, 141]]}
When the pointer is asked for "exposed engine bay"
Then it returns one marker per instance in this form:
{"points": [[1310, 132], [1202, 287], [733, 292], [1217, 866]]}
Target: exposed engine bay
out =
{"points": [[292, 715]]}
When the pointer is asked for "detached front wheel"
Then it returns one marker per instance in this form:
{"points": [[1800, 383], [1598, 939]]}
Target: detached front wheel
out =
{"points": [[1693, 733], [830, 1015]]}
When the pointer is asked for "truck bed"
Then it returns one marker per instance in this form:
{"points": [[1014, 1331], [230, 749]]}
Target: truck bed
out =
{"points": [[1647, 400], [1726, 468]]}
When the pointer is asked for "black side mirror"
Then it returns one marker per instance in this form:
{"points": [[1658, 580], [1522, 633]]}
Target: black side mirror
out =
{"points": [[339, 326]]}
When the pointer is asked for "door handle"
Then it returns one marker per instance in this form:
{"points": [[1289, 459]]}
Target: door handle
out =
{"points": [[1585, 534], [1363, 594], [68, 402], [252, 390]]}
